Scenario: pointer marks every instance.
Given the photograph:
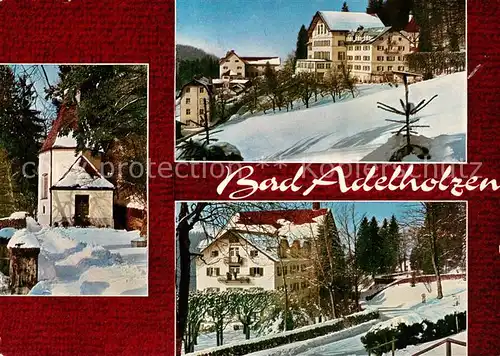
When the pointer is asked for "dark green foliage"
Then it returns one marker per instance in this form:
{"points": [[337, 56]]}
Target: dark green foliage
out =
{"points": [[369, 247], [187, 69], [414, 334], [435, 63], [293, 336], [21, 136], [302, 39], [374, 6], [345, 7]]}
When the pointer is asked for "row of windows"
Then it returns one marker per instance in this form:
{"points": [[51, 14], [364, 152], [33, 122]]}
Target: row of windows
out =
{"points": [[188, 90], [321, 29], [234, 251], [296, 286], [238, 67], [322, 43], [215, 289], [322, 55], [358, 58], [389, 68], [293, 269], [389, 58], [379, 68], [202, 101], [252, 271], [201, 111]]}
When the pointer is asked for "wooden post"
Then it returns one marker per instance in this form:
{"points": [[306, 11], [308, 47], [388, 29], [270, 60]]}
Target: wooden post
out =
{"points": [[448, 348], [23, 269], [393, 346]]}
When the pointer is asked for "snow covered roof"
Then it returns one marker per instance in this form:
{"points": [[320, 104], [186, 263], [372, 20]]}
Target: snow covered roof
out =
{"points": [[346, 21], [274, 61], [66, 117], [23, 238], [264, 229], [367, 35], [83, 175]]}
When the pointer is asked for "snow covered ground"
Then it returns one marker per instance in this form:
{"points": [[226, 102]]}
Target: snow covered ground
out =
{"points": [[352, 129], [399, 304], [87, 261]]}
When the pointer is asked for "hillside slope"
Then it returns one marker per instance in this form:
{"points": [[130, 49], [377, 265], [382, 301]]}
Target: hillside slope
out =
{"points": [[349, 130]]}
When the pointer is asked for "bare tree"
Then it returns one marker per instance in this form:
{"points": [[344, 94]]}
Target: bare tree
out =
{"points": [[348, 221]]}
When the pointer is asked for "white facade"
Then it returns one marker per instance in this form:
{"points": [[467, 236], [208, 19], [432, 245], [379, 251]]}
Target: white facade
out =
{"points": [[100, 206], [58, 206], [232, 262], [52, 164]]}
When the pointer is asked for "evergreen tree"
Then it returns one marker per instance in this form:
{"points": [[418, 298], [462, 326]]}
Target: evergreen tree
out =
{"points": [[394, 243], [21, 136], [374, 6], [112, 116], [187, 69], [385, 248], [302, 39], [369, 247], [345, 8]]}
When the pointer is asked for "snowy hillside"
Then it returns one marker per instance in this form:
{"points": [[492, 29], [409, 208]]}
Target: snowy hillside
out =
{"points": [[396, 304], [352, 129]]}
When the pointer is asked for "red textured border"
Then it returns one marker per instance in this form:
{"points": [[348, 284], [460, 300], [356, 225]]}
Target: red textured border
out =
{"points": [[143, 32]]}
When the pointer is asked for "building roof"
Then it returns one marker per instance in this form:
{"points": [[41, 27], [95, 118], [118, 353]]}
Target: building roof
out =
{"points": [[346, 21], [275, 217], [204, 82], [368, 35], [273, 60], [412, 26], [66, 118], [82, 175]]}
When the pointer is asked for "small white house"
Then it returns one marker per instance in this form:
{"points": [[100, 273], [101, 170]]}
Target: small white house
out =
{"points": [[71, 190]]}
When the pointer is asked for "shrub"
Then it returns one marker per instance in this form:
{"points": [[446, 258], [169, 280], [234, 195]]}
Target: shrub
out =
{"points": [[301, 334], [414, 334]]}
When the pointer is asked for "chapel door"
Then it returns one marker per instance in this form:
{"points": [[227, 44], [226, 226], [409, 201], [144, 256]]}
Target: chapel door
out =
{"points": [[81, 210]]}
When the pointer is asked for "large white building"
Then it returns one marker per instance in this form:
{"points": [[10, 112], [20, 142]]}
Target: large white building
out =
{"points": [[359, 41], [262, 249]]}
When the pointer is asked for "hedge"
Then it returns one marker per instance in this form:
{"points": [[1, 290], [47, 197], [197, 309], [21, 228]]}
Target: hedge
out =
{"points": [[301, 334], [418, 333]]}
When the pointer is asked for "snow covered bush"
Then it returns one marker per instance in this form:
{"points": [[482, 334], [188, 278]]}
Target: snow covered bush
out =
{"points": [[413, 334], [301, 334]]}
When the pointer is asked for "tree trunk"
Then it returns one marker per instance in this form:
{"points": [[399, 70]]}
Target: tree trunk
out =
{"points": [[435, 261], [247, 329], [185, 272], [332, 302]]}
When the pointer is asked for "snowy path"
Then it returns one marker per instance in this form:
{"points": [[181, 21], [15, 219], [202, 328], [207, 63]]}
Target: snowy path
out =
{"points": [[350, 129], [400, 303]]}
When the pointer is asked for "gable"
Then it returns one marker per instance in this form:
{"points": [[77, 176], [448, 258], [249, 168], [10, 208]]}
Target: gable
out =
{"points": [[82, 174]]}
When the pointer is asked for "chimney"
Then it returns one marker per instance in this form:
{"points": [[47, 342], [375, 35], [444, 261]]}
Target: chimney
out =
{"points": [[316, 205], [283, 248]]}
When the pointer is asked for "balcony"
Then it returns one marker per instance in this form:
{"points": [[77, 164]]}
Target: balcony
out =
{"points": [[237, 260], [231, 279], [392, 50]]}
